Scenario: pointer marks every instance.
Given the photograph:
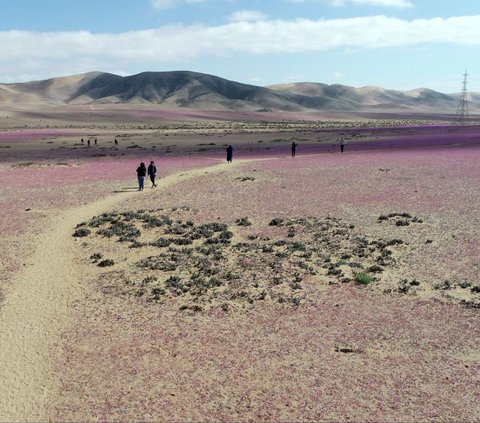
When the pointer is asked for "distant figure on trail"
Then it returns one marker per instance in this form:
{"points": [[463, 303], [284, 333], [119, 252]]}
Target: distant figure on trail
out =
{"points": [[152, 172], [342, 144], [115, 142], [294, 148], [81, 141], [88, 143], [141, 173], [229, 154], [95, 142]]}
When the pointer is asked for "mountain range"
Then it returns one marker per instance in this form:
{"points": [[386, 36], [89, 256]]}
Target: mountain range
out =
{"points": [[185, 89]]}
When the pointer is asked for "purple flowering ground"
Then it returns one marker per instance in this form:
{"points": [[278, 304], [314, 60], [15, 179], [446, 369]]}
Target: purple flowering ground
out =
{"points": [[346, 352]]}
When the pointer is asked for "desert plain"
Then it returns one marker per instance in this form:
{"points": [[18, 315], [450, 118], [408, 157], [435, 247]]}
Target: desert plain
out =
{"points": [[325, 287]]}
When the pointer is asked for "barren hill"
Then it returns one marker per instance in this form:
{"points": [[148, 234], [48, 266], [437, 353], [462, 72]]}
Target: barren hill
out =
{"points": [[184, 89], [375, 98]]}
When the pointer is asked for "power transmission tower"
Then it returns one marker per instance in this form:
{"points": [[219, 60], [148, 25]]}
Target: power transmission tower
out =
{"points": [[462, 109]]}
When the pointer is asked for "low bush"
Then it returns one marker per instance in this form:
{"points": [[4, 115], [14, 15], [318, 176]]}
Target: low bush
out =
{"points": [[363, 278], [276, 222], [243, 222], [106, 263], [81, 232]]}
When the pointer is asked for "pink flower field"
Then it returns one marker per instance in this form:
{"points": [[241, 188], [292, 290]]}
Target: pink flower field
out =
{"points": [[329, 286], [349, 353], [404, 360]]}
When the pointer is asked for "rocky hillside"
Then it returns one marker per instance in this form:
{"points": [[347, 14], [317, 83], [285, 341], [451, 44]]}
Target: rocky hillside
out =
{"points": [[194, 90]]}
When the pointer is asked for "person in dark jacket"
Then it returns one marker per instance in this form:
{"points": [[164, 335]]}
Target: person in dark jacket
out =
{"points": [[141, 173], [152, 172], [294, 148], [229, 154]]}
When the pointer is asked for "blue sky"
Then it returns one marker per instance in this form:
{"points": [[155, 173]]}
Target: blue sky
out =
{"points": [[397, 44]]}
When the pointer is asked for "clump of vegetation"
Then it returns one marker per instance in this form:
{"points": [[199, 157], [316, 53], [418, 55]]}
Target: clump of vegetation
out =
{"points": [[215, 226], [395, 241], [470, 303], [405, 285], [125, 231], [106, 263], [243, 221], [102, 219], [25, 164], [200, 264], [446, 284], [148, 280], [161, 242], [81, 232], [400, 219], [276, 222], [375, 269], [363, 278]]}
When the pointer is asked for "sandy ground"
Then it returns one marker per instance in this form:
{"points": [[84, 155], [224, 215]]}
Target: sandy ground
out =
{"points": [[33, 315], [37, 309], [76, 347]]}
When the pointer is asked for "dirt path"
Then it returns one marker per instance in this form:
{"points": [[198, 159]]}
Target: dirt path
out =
{"points": [[37, 308]]}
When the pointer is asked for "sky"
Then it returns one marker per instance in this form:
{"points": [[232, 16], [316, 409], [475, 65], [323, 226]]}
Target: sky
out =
{"points": [[394, 44]]}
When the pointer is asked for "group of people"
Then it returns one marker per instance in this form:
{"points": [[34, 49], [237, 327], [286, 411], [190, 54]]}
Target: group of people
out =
{"points": [[151, 170], [88, 142], [343, 142], [143, 171], [82, 141]]}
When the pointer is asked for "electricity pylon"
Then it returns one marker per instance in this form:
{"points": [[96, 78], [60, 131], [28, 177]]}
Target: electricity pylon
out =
{"points": [[462, 109]]}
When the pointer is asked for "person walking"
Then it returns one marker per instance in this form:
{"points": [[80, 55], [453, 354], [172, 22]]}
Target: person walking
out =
{"points": [[152, 172], [229, 154], [294, 148], [342, 144], [141, 173]]}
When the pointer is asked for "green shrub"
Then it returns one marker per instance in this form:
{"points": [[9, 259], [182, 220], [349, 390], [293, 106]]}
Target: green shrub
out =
{"points": [[363, 278]]}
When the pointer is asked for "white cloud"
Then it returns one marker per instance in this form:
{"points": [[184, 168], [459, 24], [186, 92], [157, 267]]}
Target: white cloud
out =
{"points": [[61, 53], [162, 4], [167, 4], [247, 16], [400, 4]]}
